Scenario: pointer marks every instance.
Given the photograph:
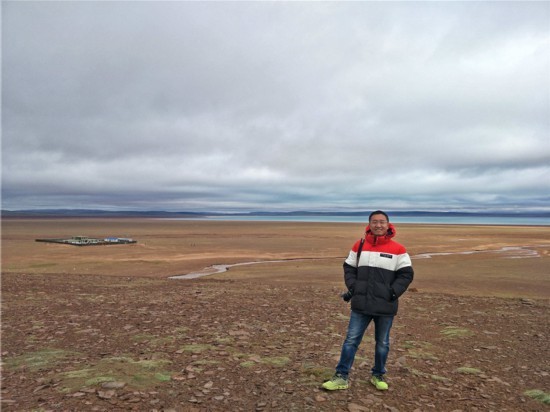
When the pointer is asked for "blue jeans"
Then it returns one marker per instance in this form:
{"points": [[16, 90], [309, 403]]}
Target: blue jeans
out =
{"points": [[358, 324]]}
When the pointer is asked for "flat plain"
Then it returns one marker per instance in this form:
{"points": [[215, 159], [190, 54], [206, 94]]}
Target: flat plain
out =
{"points": [[105, 328]]}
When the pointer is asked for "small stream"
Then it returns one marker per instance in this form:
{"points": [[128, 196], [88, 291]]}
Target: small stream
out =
{"points": [[512, 252], [211, 270]]}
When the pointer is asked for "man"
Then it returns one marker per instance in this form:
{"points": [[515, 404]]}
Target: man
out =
{"points": [[377, 272]]}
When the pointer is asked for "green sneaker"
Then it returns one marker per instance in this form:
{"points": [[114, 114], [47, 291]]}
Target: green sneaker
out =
{"points": [[379, 383], [335, 383]]}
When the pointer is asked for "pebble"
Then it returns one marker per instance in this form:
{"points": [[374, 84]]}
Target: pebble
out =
{"points": [[320, 398], [106, 394]]}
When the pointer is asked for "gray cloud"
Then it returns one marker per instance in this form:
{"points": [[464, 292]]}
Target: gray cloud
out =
{"points": [[219, 106]]}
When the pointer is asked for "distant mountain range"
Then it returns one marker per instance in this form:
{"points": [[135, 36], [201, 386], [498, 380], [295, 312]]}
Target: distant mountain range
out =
{"points": [[164, 214]]}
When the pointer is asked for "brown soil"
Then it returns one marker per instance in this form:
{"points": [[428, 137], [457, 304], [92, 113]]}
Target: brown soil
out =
{"points": [[103, 328]]}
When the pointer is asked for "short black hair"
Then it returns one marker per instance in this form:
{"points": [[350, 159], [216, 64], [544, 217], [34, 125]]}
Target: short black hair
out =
{"points": [[379, 212]]}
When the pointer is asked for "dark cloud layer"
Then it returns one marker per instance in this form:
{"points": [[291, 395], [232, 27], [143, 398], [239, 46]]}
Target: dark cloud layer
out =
{"points": [[231, 106]]}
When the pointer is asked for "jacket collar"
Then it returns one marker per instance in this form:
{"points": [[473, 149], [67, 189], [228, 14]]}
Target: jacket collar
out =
{"points": [[379, 240]]}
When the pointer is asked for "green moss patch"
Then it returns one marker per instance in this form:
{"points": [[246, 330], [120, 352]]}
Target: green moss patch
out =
{"points": [[420, 354], [317, 371], [153, 340], [44, 359], [538, 395], [138, 374], [277, 361], [181, 331], [409, 344], [456, 332], [439, 378], [98, 380], [196, 348], [142, 338], [163, 377]]}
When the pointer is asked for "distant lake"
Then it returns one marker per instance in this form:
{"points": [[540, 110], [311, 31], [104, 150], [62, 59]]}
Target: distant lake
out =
{"points": [[445, 220]]}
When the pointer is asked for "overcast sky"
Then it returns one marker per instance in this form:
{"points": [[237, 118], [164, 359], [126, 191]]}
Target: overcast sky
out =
{"points": [[275, 105]]}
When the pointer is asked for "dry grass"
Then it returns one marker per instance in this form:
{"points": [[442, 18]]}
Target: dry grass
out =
{"points": [[166, 248]]}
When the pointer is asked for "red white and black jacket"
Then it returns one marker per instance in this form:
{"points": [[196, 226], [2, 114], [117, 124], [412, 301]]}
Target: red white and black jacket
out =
{"points": [[383, 273]]}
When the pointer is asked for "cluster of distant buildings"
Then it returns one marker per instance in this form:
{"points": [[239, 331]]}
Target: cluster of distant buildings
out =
{"points": [[90, 241]]}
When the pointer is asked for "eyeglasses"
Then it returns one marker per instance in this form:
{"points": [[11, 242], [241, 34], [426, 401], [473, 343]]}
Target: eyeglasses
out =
{"points": [[378, 222]]}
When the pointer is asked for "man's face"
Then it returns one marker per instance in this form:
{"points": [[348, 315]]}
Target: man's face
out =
{"points": [[379, 225]]}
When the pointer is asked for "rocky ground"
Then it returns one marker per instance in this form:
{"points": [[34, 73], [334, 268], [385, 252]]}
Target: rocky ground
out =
{"points": [[100, 343]]}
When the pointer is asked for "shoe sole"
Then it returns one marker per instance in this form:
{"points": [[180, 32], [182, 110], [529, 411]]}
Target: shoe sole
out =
{"points": [[336, 388]]}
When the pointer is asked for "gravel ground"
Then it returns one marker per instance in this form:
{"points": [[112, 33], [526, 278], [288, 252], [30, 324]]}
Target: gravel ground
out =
{"points": [[101, 343]]}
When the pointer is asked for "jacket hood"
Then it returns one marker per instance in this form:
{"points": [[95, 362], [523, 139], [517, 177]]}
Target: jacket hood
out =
{"points": [[369, 237]]}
